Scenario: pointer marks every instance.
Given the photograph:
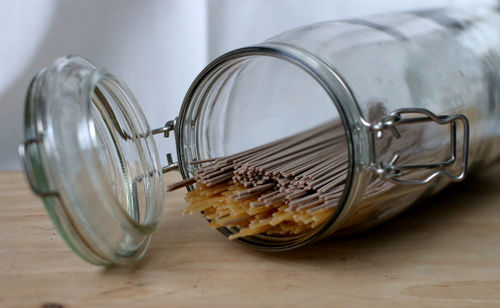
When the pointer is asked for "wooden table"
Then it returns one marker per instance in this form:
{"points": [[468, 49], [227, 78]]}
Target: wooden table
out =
{"points": [[444, 252]]}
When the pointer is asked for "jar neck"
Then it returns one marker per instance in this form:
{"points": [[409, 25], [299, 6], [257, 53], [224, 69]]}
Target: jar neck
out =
{"points": [[339, 94]]}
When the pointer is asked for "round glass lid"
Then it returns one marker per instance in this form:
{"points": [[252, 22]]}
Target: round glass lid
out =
{"points": [[90, 154]]}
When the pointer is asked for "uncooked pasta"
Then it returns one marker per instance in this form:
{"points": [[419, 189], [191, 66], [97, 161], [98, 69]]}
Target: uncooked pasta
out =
{"points": [[287, 187]]}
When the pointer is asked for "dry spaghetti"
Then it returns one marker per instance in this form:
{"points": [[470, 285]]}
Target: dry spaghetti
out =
{"points": [[287, 187]]}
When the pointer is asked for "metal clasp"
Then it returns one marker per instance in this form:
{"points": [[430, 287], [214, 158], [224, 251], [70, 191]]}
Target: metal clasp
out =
{"points": [[165, 130], [29, 171], [392, 172]]}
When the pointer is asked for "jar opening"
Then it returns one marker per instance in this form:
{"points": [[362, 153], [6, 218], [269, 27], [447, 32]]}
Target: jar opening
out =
{"points": [[254, 99]]}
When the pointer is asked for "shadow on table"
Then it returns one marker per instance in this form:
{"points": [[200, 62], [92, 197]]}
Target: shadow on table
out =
{"points": [[418, 232], [419, 227]]}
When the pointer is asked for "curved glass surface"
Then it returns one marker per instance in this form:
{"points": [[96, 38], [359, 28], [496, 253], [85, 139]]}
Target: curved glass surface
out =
{"points": [[94, 152]]}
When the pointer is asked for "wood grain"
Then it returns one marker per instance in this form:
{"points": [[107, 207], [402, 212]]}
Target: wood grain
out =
{"points": [[444, 252]]}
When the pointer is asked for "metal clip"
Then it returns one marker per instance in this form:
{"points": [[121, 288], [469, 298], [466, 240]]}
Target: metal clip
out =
{"points": [[169, 126], [171, 165], [166, 129], [392, 172], [28, 168]]}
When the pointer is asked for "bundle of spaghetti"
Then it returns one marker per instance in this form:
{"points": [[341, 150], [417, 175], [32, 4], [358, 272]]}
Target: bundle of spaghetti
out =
{"points": [[287, 187]]}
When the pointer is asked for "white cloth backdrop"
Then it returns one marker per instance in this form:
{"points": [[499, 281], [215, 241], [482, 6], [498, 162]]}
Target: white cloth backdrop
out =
{"points": [[157, 47]]}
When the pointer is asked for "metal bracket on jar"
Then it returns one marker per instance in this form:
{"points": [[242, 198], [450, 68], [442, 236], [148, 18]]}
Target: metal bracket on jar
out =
{"points": [[165, 130], [392, 172], [171, 165], [32, 182]]}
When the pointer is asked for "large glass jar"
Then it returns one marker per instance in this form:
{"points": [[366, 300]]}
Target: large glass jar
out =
{"points": [[417, 95]]}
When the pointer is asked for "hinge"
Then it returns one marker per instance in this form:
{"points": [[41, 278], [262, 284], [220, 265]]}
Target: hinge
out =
{"points": [[165, 130], [392, 171]]}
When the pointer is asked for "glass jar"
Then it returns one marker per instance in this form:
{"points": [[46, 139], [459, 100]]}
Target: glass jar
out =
{"points": [[417, 95]]}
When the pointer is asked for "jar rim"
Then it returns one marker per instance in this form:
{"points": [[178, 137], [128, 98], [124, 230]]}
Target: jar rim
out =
{"points": [[341, 96], [65, 168]]}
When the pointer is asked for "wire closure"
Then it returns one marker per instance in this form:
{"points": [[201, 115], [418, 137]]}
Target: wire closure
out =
{"points": [[29, 169], [165, 130], [393, 172]]}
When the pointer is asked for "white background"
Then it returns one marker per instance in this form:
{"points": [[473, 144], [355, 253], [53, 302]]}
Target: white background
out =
{"points": [[157, 47]]}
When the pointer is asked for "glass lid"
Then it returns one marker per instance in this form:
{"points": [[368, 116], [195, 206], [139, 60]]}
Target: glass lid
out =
{"points": [[90, 154]]}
